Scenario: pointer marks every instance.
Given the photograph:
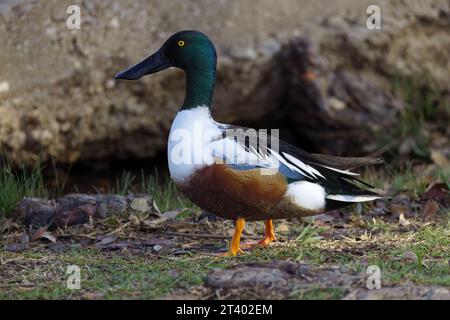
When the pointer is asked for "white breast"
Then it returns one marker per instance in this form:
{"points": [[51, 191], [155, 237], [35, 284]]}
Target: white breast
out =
{"points": [[189, 142]]}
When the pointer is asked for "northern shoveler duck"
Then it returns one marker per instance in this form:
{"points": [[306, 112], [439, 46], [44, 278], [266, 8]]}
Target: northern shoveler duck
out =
{"points": [[230, 177]]}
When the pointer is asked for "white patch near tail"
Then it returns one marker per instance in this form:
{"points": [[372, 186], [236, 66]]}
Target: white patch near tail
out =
{"points": [[308, 195], [350, 198]]}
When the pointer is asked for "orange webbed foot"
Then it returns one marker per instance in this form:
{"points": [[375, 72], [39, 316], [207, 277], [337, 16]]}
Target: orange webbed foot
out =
{"points": [[232, 253], [269, 234], [266, 241], [236, 247]]}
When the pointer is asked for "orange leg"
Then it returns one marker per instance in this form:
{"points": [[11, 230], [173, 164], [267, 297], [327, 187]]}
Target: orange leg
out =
{"points": [[269, 234], [236, 240]]}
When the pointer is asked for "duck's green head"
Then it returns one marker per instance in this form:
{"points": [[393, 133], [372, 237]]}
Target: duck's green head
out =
{"points": [[191, 51], [188, 50]]}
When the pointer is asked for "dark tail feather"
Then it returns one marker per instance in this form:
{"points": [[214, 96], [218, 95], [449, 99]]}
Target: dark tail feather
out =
{"points": [[346, 163]]}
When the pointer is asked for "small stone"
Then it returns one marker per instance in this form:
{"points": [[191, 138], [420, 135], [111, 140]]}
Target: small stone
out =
{"points": [[409, 255], [157, 247], [336, 104], [16, 247], [134, 219], [110, 84], [114, 23], [4, 86]]}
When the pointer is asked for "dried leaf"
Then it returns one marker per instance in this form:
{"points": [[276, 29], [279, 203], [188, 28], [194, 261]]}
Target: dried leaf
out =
{"points": [[38, 233], [398, 209], [184, 230], [140, 204], [430, 209], [282, 227], [47, 235], [93, 295], [106, 239], [7, 224], [168, 215], [42, 233], [440, 159], [403, 221], [134, 219], [437, 191]]}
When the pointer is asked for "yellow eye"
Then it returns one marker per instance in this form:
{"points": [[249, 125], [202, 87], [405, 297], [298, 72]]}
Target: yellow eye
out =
{"points": [[181, 43]]}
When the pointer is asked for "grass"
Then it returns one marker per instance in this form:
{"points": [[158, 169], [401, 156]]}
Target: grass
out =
{"points": [[165, 194], [125, 275], [444, 176], [405, 177], [423, 108], [430, 245], [16, 185], [117, 276]]}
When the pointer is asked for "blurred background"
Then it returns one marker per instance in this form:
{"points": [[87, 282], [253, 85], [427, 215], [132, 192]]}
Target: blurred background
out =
{"points": [[313, 69]]}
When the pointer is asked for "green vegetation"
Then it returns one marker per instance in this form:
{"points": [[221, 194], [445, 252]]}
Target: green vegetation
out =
{"points": [[403, 178], [16, 185], [165, 194], [424, 109]]}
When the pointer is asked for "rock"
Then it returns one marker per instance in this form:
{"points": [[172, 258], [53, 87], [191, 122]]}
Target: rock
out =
{"points": [[112, 205], [278, 280], [16, 247], [35, 211], [75, 209], [58, 98], [411, 256]]}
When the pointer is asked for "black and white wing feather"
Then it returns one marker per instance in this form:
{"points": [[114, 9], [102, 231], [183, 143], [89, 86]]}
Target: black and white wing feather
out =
{"points": [[332, 173]]}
